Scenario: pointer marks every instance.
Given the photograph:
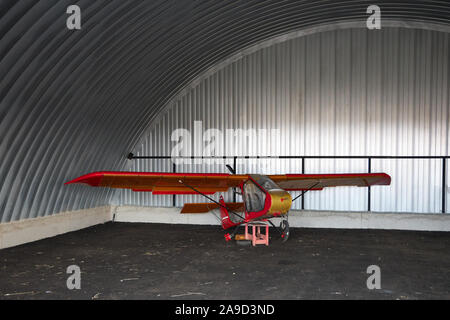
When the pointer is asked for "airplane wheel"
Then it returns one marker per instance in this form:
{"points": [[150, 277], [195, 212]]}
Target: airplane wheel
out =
{"points": [[284, 225]]}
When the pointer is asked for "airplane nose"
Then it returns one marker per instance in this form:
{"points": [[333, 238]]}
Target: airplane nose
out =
{"points": [[281, 201]]}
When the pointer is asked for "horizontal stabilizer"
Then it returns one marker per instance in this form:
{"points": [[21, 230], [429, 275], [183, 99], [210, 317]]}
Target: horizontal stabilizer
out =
{"points": [[206, 207]]}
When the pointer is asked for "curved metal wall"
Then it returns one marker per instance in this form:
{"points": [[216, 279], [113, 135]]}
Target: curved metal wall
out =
{"points": [[78, 101], [347, 92]]}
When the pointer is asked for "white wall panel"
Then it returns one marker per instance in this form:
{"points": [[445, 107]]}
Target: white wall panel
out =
{"points": [[345, 92]]}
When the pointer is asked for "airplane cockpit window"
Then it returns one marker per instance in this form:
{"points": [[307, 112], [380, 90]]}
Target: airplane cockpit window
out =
{"points": [[265, 182], [254, 197]]}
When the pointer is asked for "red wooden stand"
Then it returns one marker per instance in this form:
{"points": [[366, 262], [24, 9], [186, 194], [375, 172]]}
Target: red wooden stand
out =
{"points": [[256, 236]]}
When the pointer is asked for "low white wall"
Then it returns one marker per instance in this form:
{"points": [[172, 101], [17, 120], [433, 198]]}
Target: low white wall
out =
{"points": [[24, 231], [20, 232], [169, 215], [303, 219]]}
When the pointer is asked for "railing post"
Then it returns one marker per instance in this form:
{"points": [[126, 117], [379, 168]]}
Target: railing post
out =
{"points": [[174, 197], [369, 169], [235, 170], [303, 172], [444, 182]]}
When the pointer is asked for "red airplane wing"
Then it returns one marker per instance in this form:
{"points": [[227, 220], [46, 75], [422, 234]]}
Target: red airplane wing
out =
{"points": [[296, 182], [163, 183], [210, 183]]}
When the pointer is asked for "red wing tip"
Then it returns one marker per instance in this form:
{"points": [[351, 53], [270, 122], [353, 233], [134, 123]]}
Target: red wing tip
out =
{"points": [[77, 180], [92, 179], [388, 179]]}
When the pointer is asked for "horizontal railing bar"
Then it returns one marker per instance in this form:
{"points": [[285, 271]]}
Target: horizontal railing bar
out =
{"points": [[369, 158], [288, 157]]}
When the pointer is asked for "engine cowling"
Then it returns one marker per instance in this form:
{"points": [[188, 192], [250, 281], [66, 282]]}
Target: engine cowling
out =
{"points": [[281, 201]]}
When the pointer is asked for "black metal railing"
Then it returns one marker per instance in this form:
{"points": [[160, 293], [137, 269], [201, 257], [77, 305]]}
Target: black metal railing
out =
{"points": [[304, 158]]}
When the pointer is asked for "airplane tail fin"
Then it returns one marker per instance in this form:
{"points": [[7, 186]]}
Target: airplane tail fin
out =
{"points": [[226, 221]]}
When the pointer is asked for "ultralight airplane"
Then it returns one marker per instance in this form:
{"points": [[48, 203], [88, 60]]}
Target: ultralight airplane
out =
{"points": [[264, 196]]}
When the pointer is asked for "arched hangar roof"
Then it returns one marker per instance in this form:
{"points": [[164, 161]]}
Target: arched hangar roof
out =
{"points": [[78, 101]]}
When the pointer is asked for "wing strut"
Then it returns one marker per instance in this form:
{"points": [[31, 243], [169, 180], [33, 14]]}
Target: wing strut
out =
{"points": [[287, 216], [211, 199], [227, 235], [305, 191]]}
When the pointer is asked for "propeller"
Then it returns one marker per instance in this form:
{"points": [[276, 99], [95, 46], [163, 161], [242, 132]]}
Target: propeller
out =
{"points": [[231, 169]]}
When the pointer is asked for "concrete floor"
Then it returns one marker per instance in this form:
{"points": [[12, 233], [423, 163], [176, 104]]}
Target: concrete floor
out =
{"points": [[155, 261]]}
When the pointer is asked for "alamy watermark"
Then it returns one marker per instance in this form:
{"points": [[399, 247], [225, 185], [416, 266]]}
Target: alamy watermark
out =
{"points": [[374, 280], [215, 144], [73, 22], [74, 280], [374, 20]]}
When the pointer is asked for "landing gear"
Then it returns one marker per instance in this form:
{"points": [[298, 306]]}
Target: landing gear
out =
{"points": [[284, 227]]}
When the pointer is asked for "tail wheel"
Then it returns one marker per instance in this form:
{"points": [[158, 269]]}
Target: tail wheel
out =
{"points": [[284, 226]]}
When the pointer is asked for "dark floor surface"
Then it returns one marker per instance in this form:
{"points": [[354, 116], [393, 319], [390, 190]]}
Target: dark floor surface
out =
{"points": [[156, 261]]}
